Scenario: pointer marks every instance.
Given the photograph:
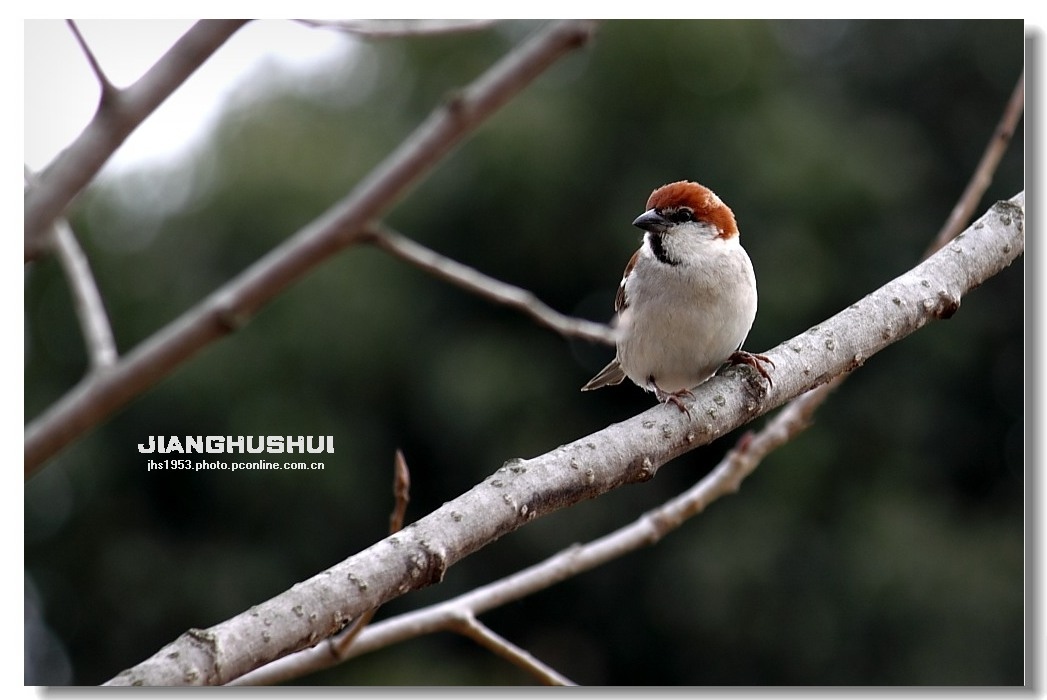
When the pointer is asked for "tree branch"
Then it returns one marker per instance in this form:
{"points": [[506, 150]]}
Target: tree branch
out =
{"points": [[108, 89], [645, 531], [627, 452], [87, 301], [119, 113], [230, 307], [483, 635], [648, 530], [399, 28], [489, 288], [982, 177]]}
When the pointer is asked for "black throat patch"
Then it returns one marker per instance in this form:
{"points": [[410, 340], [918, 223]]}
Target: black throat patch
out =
{"points": [[658, 248]]}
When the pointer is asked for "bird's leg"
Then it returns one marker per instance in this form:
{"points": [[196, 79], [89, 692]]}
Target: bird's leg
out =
{"points": [[675, 397]]}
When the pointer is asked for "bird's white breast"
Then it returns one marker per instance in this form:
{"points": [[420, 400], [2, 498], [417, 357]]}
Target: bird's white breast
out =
{"points": [[684, 320]]}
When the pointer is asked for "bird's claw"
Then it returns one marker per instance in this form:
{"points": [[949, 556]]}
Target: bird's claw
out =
{"points": [[741, 357], [676, 398]]}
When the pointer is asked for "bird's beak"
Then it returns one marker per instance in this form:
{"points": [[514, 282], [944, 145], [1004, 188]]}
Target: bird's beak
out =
{"points": [[652, 221]]}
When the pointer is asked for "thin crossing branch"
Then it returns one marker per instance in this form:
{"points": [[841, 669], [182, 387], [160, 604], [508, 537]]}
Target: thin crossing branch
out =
{"points": [[483, 635], [983, 174], [487, 287]]}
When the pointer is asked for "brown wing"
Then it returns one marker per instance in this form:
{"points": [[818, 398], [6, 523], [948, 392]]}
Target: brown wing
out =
{"points": [[620, 302], [611, 374]]}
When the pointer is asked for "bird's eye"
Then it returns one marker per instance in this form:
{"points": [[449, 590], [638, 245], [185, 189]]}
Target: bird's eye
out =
{"points": [[680, 215]]}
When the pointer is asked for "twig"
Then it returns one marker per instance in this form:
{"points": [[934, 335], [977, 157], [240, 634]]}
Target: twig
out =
{"points": [[98, 335], [338, 644], [119, 113], [469, 626], [962, 210], [400, 28], [489, 288], [108, 89], [229, 308], [982, 176], [401, 492], [626, 452], [87, 301]]}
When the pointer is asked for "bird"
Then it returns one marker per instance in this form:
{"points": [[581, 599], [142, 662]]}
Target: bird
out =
{"points": [[687, 299]]}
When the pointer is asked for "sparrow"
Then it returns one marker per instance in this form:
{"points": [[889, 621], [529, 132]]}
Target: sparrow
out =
{"points": [[687, 299]]}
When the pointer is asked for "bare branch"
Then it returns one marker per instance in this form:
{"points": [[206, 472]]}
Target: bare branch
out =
{"points": [[116, 118], [98, 335], [108, 89], [982, 176], [229, 308], [487, 287], [647, 530], [87, 301], [961, 212], [469, 626], [399, 28], [627, 452]]}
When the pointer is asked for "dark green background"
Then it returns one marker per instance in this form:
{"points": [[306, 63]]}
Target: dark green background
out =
{"points": [[883, 546]]}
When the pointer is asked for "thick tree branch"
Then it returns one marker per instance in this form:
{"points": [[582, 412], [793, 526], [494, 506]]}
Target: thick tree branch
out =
{"points": [[486, 287], [645, 531], [229, 308], [119, 113], [627, 452]]}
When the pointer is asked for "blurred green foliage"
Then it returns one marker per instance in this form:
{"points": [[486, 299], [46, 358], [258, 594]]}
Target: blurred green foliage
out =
{"points": [[883, 546]]}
